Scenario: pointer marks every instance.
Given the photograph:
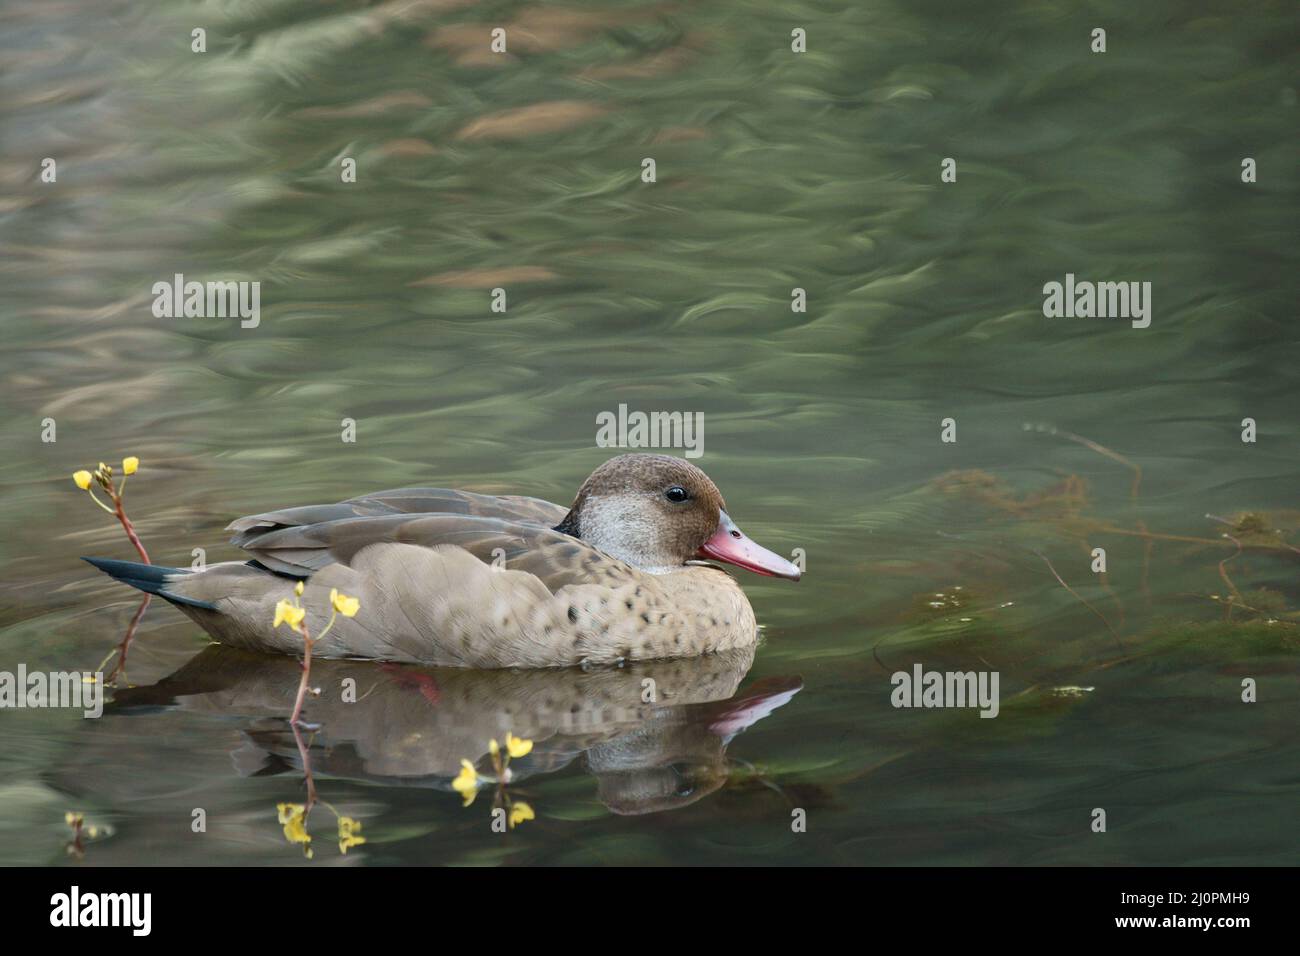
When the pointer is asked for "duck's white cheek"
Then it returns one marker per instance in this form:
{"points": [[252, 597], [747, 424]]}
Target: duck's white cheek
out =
{"points": [[626, 527]]}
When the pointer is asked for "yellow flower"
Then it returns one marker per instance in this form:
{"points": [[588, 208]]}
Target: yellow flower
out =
{"points": [[466, 782], [297, 589], [493, 747], [295, 831], [82, 478], [287, 612], [517, 747], [348, 830], [519, 812], [347, 844], [129, 465], [347, 606], [293, 816]]}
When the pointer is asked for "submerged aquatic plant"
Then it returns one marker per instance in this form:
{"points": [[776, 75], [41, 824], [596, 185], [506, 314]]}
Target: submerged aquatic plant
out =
{"points": [[1063, 509]]}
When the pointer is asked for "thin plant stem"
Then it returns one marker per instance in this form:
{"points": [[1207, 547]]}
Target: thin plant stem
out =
{"points": [[305, 755], [1099, 449], [119, 669], [1079, 597], [100, 503], [118, 511], [303, 680], [1223, 573], [308, 643], [129, 528]]}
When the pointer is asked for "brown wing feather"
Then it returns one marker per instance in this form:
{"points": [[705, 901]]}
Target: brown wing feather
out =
{"points": [[404, 501], [451, 501], [299, 541]]}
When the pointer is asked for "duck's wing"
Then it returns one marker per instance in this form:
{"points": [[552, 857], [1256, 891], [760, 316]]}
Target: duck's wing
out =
{"points": [[512, 532], [446, 501]]}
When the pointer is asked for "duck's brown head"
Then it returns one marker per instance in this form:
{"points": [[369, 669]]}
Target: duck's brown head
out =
{"points": [[657, 512]]}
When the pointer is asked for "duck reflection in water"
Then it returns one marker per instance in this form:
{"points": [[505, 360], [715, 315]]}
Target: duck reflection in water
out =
{"points": [[654, 734]]}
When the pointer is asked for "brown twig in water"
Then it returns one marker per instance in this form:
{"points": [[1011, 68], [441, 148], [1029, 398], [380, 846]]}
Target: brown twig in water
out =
{"points": [[304, 753], [1098, 448], [1133, 492], [1079, 597], [1270, 616], [876, 654], [1187, 539], [1223, 573], [119, 669], [1105, 583]]}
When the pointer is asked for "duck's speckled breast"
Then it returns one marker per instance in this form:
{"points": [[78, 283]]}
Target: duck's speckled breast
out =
{"points": [[697, 610]]}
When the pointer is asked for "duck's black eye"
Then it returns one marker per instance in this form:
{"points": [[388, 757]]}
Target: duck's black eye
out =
{"points": [[676, 493]]}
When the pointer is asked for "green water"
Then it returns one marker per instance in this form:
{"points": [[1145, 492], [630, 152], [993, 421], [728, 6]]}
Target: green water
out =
{"points": [[774, 171]]}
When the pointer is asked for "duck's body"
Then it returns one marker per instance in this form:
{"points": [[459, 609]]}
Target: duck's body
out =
{"points": [[450, 577]]}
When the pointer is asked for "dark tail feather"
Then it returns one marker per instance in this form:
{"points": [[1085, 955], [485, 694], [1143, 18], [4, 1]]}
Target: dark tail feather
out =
{"points": [[149, 578]]}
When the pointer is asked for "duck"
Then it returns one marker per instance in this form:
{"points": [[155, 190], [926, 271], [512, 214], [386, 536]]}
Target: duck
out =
{"points": [[454, 578]]}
